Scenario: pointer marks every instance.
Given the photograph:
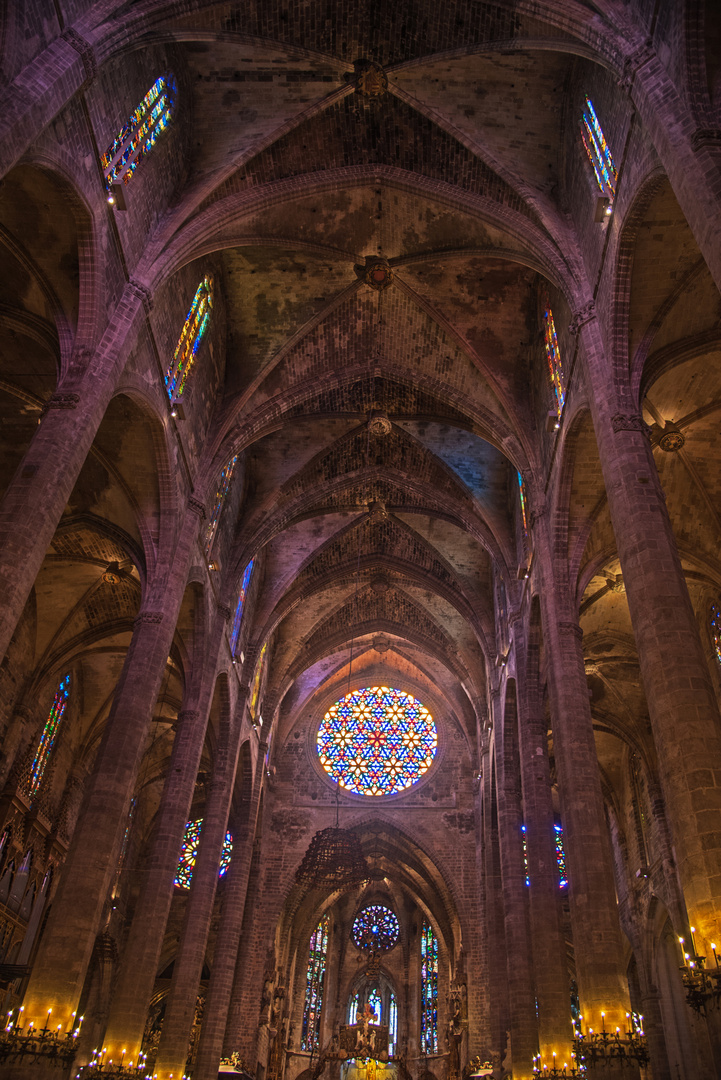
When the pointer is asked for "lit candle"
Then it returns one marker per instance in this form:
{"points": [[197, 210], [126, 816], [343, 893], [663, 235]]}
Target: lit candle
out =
{"points": [[713, 947], [693, 939], [20, 1012], [683, 953]]}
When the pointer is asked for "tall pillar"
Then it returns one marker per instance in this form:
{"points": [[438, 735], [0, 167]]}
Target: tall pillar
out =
{"points": [[74, 921], [519, 974], [48, 472], [550, 965], [594, 913], [139, 963], [492, 889], [681, 701], [181, 1002], [217, 1001]]}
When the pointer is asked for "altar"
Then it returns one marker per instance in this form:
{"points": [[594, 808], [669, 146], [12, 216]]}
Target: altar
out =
{"points": [[370, 1069]]}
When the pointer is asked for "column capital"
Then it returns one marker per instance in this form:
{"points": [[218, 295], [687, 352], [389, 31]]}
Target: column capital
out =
{"points": [[60, 400], [85, 51], [143, 294], [629, 422], [148, 618], [224, 611], [197, 507], [582, 316], [187, 716], [569, 628], [540, 509], [633, 63]]}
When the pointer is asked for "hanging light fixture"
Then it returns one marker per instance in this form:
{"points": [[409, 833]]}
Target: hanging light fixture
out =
{"points": [[334, 858]]}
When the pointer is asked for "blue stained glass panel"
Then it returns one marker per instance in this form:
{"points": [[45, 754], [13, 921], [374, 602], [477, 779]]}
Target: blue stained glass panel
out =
{"points": [[429, 990], [314, 980]]}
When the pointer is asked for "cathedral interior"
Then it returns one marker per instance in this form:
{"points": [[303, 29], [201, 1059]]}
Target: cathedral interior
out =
{"points": [[359, 539]]}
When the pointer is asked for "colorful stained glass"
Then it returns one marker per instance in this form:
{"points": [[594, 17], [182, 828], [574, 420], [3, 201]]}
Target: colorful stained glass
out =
{"points": [[598, 151], [377, 741], [392, 1023], [196, 323], [138, 136], [524, 842], [522, 497], [560, 856], [257, 681], [429, 990], [353, 1009], [375, 927], [238, 617], [189, 854], [553, 355], [716, 629], [314, 979], [226, 476], [374, 1000], [47, 739]]}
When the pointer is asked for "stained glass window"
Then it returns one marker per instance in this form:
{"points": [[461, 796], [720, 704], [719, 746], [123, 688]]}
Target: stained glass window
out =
{"points": [[522, 497], [353, 1009], [194, 327], [314, 979], [524, 842], [429, 990], [189, 854], [376, 927], [377, 741], [598, 151], [226, 476], [50, 731], [716, 629], [238, 617], [560, 856], [138, 136], [257, 681], [553, 355], [374, 1000], [392, 1023]]}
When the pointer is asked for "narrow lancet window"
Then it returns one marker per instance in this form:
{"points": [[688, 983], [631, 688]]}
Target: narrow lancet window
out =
{"points": [[429, 990], [257, 681], [560, 856], [223, 485], [47, 739], [522, 497], [138, 136], [716, 629], [524, 844], [196, 323], [315, 977], [598, 151], [240, 606], [189, 854], [553, 356], [392, 1024]]}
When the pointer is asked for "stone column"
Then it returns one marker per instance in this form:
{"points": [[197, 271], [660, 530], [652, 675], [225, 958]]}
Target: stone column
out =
{"points": [[48, 472], [139, 962], [594, 913], [74, 921], [492, 892], [180, 1007], [519, 974], [222, 974], [40, 91], [682, 705], [548, 940]]}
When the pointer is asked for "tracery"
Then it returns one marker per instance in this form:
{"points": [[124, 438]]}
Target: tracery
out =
{"points": [[377, 741], [49, 735], [189, 854], [139, 134], [376, 927], [598, 151], [429, 989], [314, 982], [194, 328]]}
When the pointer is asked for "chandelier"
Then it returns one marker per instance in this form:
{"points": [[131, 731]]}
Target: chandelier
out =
{"points": [[701, 986], [49, 1044], [333, 860], [607, 1047]]}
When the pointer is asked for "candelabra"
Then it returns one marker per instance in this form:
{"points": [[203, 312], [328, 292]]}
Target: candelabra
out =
{"points": [[606, 1047], [701, 986], [100, 1065], [48, 1044], [555, 1070]]}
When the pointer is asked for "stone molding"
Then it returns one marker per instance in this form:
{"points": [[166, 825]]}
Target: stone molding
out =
{"points": [[570, 628], [582, 316], [85, 51], [148, 618], [59, 400], [143, 294], [537, 513], [629, 422], [187, 716], [224, 611], [196, 507]]}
